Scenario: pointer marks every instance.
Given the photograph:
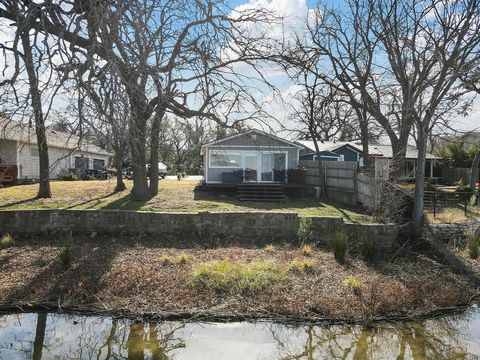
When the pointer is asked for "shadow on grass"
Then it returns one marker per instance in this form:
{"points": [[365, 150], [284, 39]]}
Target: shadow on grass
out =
{"points": [[124, 203], [228, 198], [20, 202], [97, 199]]}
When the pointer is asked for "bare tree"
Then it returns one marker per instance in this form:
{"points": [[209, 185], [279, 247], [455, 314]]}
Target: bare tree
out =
{"points": [[172, 56], [30, 51]]}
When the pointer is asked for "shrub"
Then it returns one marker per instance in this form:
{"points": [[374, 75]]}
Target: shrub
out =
{"points": [[304, 232], [429, 187], [66, 256], [270, 248], [166, 259], [306, 250], [6, 241], [184, 174], [299, 265], [183, 258], [352, 283], [368, 248], [340, 245], [473, 245], [236, 277]]}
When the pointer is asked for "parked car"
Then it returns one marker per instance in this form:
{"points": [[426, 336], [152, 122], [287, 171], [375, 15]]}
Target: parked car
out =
{"points": [[162, 170]]}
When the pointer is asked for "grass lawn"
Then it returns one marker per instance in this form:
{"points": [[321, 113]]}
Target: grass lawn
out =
{"points": [[452, 215], [174, 196]]}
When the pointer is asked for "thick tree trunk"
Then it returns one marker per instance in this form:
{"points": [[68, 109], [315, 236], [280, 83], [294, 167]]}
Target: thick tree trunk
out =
{"points": [[118, 166], [140, 191], [154, 152], [473, 176], [417, 216], [44, 175], [399, 150]]}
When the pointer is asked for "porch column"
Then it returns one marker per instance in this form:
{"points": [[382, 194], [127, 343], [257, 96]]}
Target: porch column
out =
{"points": [[431, 168]]}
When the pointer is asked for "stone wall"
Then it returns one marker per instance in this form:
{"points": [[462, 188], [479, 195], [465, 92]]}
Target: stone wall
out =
{"points": [[244, 227], [447, 232]]}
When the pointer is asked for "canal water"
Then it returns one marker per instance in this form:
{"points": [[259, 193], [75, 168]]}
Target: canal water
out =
{"points": [[59, 336]]}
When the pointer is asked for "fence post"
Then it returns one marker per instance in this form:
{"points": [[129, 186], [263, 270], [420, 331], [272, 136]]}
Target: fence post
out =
{"points": [[434, 204]]}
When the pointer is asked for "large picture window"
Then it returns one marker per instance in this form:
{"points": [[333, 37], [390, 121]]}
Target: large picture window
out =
{"points": [[225, 159]]}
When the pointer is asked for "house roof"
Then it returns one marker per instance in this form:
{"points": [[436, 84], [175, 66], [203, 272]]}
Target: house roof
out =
{"points": [[13, 130], [374, 150], [260, 132]]}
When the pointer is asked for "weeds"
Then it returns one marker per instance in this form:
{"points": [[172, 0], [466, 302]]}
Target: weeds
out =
{"points": [[368, 248], [66, 256], [473, 245], [305, 232], [270, 248], [236, 277], [302, 265], [183, 258], [6, 241], [340, 245], [306, 250], [166, 260], [353, 284]]}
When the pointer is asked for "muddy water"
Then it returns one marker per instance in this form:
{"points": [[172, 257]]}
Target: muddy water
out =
{"points": [[60, 336]]}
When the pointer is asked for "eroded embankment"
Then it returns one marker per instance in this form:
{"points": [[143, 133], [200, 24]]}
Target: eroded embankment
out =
{"points": [[141, 277]]}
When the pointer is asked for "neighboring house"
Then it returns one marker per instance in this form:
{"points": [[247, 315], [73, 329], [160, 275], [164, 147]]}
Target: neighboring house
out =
{"points": [[18, 146], [252, 156], [352, 151]]}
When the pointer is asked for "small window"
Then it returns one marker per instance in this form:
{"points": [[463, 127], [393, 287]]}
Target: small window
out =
{"points": [[342, 158], [225, 159], [34, 152], [98, 164]]}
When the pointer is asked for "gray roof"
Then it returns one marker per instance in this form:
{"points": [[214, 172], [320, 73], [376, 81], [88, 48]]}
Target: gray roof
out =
{"points": [[13, 130], [374, 150]]}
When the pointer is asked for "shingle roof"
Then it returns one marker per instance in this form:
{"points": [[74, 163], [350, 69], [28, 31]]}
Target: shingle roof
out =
{"points": [[13, 130], [376, 150]]}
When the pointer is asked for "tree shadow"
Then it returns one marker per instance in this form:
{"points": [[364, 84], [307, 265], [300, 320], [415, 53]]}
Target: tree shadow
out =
{"points": [[20, 202], [76, 284], [97, 199], [124, 203]]}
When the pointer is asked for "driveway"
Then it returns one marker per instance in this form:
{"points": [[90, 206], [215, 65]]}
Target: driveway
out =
{"points": [[189, 177]]}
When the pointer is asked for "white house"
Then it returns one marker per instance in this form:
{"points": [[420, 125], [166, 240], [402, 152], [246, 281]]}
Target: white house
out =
{"points": [[18, 146]]}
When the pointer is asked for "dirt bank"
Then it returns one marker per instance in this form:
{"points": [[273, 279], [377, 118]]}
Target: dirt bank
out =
{"points": [[137, 276]]}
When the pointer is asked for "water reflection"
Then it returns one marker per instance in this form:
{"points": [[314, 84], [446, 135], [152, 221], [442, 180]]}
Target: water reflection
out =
{"points": [[57, 336]]}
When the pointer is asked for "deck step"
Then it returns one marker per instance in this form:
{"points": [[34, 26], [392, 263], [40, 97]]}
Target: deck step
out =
{"points": [[261, 192]]}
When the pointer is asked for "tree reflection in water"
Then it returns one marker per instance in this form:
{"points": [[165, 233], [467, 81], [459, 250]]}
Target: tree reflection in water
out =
{"points": [[59, 336], [436, 339]]}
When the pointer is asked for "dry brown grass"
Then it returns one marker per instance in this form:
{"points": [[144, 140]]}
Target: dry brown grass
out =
{"points": [[132, 275], [173, 196], [454, 215]]}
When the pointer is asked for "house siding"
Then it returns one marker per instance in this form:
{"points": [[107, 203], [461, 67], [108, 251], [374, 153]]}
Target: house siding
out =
{"points": [[246, 143], [8, 151], [60, 160], [348, 154]]}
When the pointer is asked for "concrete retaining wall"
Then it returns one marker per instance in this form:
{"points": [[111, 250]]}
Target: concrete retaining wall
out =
{"points": [[245, 227]]}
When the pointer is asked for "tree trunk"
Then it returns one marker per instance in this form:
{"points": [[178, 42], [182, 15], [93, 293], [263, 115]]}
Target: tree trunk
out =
{"points": [[399, 149], [44, 175], [118, 165], [473, 177], [140, 191], [154, 152], [417, 216], [321, 182]]}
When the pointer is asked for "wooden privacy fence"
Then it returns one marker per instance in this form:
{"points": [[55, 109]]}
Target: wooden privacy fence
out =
{"points": [[340, 178]]}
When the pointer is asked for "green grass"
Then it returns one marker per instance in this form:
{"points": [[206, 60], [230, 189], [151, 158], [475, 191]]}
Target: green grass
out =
{"points": [[174, 196], [236, 277]]}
